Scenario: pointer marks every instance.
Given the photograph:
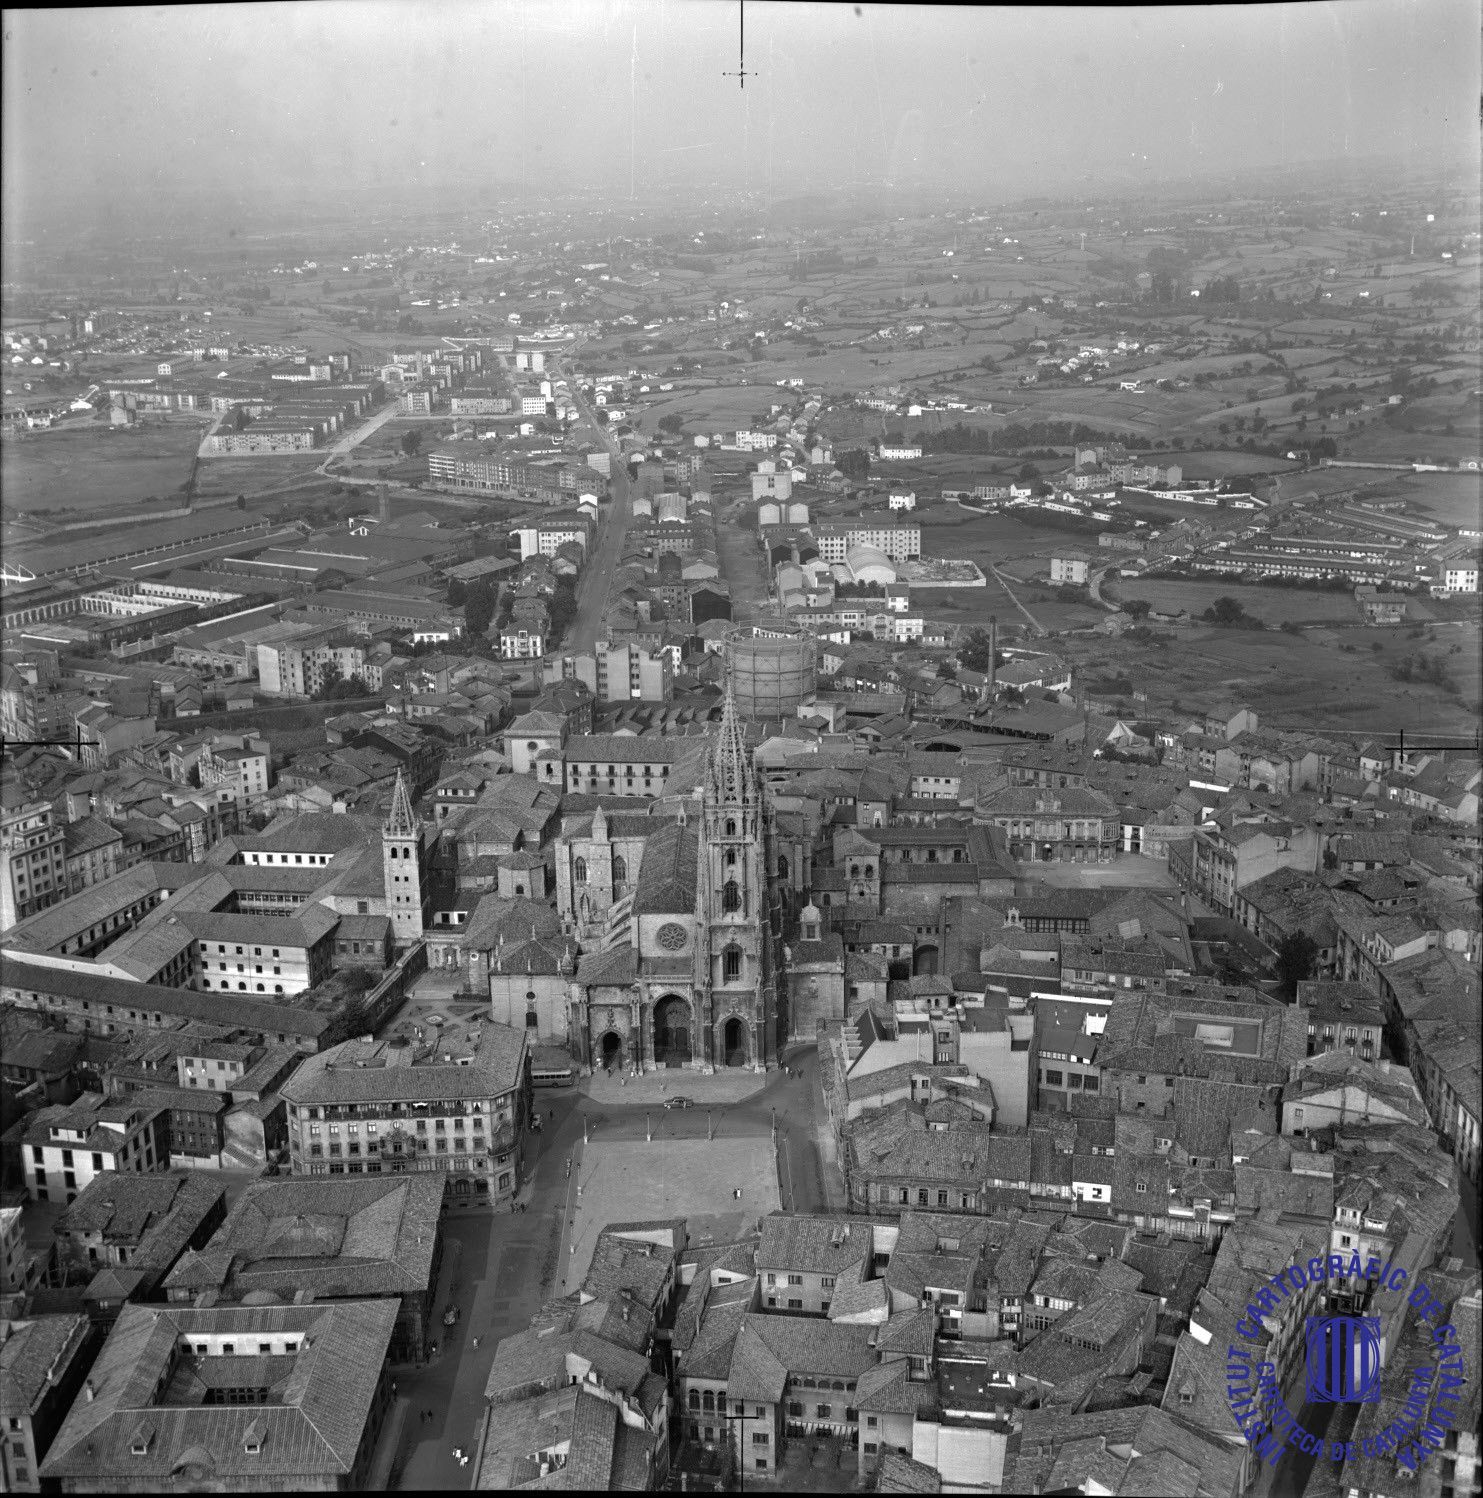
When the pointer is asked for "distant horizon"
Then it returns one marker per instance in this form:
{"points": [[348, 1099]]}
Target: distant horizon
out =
{"points": [[205, 210], [112, 115]]}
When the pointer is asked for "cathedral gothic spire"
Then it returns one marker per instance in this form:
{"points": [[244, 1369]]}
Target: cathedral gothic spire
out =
{"points": [[732, 780]]}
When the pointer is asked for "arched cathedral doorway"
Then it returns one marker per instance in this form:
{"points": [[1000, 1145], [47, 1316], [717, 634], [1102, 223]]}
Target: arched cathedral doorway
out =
{"points": [[672, 1042]]}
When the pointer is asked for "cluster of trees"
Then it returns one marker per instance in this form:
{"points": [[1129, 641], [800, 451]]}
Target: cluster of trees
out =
{"points": [[853, 463], [965, 439], [1229, 613], [333, 687], [671, 423], [1221, 289], [1425, 669], [1297, 959], [973, 655], [412, 441], [563, 606], [479, 599], [1432, 290]]}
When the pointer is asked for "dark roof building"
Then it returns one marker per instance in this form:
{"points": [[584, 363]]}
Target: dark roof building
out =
{"points": [[237, 1397]]}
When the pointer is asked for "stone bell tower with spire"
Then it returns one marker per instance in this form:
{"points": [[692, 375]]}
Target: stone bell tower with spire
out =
{"points": [[732, 914], [401, 867]]}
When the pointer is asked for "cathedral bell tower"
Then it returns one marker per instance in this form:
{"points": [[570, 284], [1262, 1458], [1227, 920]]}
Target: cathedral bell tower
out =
{"points": [[401, 867], [733, 903]]}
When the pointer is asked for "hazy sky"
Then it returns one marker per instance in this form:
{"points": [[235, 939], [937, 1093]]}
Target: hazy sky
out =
{"points": [[277, 99]]}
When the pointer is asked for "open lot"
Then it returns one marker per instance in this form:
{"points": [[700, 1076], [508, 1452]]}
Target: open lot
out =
{"points": [[1451, 498], [254, 477], [1223, 465], [1326, 679], [1273, 606], [632, 1180], [94, 467]]}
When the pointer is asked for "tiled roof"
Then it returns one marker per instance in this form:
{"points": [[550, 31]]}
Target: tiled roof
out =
{"points": [[808, 1347], [618, 966], [812, 1245], [309, 1429], [154, 1215], [667, 879], [229, 1011], [356, 1236], [888, 1389], [33, 1354], [642, 1270], [755, 1373], [901, 1474], [1059, 1450], [354, 1071]]}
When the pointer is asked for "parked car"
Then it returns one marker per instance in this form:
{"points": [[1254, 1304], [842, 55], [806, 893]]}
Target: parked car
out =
{"points": [[678, 1102]]}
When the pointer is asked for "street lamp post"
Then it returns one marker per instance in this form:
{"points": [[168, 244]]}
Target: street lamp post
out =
{"points": [[741, 1457]]}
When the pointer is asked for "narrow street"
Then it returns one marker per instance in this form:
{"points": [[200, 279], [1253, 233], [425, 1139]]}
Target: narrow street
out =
{"points": [[607, 552], [742, 566], [499, 1268]]}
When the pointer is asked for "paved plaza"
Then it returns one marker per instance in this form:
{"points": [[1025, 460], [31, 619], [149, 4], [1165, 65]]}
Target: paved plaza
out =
{"points": [[632, 1180], [728, 1084]]}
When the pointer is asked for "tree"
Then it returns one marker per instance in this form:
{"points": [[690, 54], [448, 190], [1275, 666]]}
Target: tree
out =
{"points": [[478, 608], [1138, 608], [1226, 611], [457, 592], [1297, 956], [1029, 473], [671, 423], [241, 501], [854, 463], [974, 653], [411, 441], [329, 679]]}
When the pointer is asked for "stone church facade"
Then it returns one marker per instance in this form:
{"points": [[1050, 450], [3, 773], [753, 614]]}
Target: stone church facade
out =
{"points": [[682, 917]]}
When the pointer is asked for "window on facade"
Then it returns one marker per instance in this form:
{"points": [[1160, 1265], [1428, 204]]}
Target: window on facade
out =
{"points": [[581, 871], [620, 870], [730, 896], [731, 964]]}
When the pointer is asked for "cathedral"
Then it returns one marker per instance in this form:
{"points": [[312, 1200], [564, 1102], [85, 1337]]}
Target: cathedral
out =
{"points": [[676, 925]]}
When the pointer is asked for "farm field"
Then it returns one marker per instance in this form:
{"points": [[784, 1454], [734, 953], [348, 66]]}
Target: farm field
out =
{"points": [[1324, 680], [1389, 442], [987, 539], [1198, 464], [1450, 498], [92, 466], [1272, 606]]}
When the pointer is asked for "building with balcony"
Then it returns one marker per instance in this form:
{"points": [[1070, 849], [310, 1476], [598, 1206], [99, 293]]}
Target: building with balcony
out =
{"points": [[459, 1105]]}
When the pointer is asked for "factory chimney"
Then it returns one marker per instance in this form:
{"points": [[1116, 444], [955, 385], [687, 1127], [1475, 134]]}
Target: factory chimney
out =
{"points": [[993, 658]]}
